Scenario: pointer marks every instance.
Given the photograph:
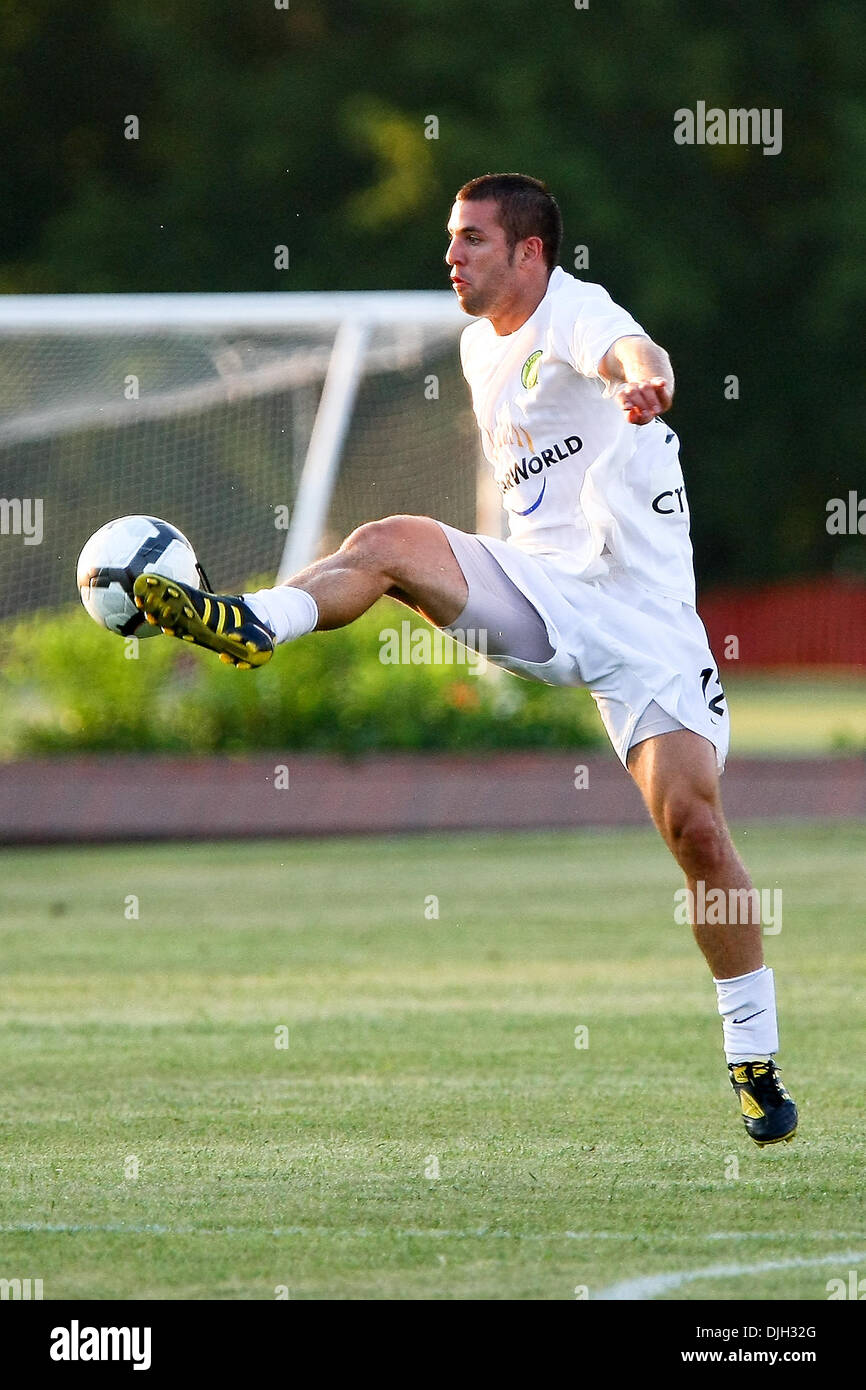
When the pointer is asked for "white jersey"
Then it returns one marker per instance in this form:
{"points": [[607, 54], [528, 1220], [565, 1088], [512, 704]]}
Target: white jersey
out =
{"points": [[580, 485]]}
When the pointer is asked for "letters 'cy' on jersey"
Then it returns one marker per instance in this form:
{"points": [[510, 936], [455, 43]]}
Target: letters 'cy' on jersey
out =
{"points": [[580, 485]]}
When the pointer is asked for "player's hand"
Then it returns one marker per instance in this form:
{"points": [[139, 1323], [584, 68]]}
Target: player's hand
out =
{"points": [[642, 401]]}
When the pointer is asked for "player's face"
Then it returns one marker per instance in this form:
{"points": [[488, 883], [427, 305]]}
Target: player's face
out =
{"points": [[482, 271]]}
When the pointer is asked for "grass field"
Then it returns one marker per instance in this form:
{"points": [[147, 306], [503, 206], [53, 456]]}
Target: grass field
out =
{"points": [[158, 1144], [808, 714]]}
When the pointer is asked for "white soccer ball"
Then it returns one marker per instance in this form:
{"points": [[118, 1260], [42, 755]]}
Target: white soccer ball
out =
{"points": [[116, 555]]}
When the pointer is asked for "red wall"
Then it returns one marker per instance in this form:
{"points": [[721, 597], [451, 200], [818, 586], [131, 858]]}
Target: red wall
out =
{"points": [[817, 622]]}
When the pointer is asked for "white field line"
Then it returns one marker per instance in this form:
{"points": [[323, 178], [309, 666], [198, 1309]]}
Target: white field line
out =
{"points": [[649, 1286]]}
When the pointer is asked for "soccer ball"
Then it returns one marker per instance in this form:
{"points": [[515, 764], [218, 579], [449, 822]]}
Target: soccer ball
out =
{"points": [[116, 555]]}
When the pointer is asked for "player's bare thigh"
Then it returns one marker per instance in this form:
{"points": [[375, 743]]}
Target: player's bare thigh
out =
{"points": [[673, 771], [414, 553]]}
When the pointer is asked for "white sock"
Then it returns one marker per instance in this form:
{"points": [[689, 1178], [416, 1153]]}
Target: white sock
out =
{"points": [[288, 612], [747, 1005]]}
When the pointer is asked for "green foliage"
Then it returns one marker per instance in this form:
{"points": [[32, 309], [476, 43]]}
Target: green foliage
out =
{"points": [[68, 686], [306, 126]]}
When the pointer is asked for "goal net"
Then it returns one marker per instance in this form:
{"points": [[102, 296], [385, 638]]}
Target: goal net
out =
{"points": [[265, 426]]}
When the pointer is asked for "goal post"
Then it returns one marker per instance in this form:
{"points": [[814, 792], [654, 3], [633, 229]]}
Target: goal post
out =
{"points": [[265, 426], [318, 475]]}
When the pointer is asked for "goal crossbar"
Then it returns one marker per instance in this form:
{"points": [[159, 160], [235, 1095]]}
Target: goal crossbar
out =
{"points": [[186, 313], [348, 319]]}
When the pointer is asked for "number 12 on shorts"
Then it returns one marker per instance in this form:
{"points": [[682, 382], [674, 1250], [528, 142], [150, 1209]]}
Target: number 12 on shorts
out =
{"points": [[716, 703]]}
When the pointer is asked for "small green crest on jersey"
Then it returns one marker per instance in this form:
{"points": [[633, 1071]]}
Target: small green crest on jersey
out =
{"points": [[529, 375]]}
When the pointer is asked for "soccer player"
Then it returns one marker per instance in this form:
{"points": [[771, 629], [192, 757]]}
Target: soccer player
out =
{"points": [[594, 586]]}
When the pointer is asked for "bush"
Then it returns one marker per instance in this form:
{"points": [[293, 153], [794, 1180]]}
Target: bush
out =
{"points": [[68, 686]]}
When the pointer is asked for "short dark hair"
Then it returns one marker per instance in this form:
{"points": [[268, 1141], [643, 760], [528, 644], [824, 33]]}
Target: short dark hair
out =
{"points": [[526, 208]]}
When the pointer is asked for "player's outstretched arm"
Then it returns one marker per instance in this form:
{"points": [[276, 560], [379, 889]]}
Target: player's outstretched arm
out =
{"points": [[642, 374]]}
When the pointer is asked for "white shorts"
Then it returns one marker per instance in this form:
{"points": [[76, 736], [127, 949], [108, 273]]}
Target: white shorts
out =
{"points": [[644, 657]]}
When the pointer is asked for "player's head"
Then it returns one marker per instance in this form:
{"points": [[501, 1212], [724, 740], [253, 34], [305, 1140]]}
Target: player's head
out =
{"points": [[506, 231]]}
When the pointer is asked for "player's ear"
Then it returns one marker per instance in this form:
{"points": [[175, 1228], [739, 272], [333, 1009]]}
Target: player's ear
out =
{"points": [[532, 250]]}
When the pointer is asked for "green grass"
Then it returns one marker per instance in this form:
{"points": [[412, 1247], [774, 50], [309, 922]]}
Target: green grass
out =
{"points": [[808, 714], [412, 1039]]}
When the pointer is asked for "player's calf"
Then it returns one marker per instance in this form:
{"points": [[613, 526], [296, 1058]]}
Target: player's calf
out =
{"points": [[677, 776]]}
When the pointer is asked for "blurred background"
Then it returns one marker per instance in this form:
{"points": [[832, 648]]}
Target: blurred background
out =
{"points": [[161, 1139], [340, 132]]}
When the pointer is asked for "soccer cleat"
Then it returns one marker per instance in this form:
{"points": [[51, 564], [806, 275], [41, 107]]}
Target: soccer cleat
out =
{"points": [[769, 1113], [221, 622]]}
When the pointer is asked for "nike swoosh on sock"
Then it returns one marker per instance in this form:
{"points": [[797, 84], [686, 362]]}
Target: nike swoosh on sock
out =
{"points": [[749, 1016]]}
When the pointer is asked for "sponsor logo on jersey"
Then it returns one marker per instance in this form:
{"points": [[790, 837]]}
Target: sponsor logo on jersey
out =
{"points": [[669, 502], [531, 368], [527, 511], [533, 464]]}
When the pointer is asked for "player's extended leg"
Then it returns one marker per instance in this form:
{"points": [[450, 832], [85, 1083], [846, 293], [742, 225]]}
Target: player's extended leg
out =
{"points": [[676, 773], [407, 557]]}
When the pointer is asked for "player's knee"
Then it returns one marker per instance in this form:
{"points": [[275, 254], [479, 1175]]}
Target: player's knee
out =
{"points": [[383, 546], [376, 542], [695, 832]]}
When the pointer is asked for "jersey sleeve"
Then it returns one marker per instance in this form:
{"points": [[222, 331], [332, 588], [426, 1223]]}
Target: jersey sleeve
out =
{"points": [[597, 325]]}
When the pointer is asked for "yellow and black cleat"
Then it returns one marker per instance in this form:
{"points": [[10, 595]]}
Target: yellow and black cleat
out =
{"points": [[221, 622], [769, 1113]]}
